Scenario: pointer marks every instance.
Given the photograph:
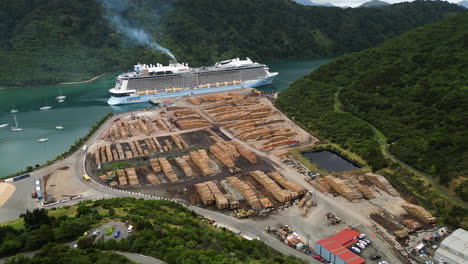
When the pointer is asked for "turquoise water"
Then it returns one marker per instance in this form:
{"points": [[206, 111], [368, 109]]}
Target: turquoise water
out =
{"points": [[85, 104]]}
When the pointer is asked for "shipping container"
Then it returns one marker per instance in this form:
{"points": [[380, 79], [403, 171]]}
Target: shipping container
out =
{"points": [[20, 177]]}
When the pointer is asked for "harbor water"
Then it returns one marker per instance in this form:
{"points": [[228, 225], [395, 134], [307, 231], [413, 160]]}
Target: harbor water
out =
{"points": [[84, 105]]}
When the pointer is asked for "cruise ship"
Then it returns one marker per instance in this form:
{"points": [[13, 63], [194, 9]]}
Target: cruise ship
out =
{"points": [[149, 82]]}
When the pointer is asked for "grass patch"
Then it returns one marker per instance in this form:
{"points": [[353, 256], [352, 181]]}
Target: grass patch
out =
{"points": [[108, 231], [69, 211], [17, 224], [116, 165]]}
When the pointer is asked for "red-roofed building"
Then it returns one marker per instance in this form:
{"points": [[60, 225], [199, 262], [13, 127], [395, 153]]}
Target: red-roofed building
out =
{"points": [[334, 249]]}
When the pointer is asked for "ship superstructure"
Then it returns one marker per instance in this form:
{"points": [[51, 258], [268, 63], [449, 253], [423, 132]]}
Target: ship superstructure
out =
{"points": [[148, 82]]}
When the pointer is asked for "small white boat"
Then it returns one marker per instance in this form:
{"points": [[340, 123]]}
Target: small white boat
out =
{"points": [[3, 125], [16, 128], [60, 98], [59, 127], [42, 140], [13, 110], [46, 107]]}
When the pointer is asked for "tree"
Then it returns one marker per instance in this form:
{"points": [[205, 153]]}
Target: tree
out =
{"points": [[36, 218]]}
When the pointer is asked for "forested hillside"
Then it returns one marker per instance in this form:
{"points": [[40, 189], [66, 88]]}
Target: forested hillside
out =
{"points": [[413, 88], [163, 229], [48, 41]]}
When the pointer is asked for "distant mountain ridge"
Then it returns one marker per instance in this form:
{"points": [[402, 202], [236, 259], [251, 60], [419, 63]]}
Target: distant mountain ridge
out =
{"points": [[374, 3]]}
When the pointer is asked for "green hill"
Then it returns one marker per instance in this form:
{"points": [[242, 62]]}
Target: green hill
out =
{"points": [[49, 41], [413, 88]]}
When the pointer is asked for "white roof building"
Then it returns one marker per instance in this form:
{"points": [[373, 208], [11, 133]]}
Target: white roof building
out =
{"points": [[454, 248]]}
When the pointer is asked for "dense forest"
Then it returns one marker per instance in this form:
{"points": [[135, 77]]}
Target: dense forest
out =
{"points": [[413, 88], [49, 41], [164, 230]]}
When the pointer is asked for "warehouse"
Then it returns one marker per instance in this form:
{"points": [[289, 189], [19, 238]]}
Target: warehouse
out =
{"points": [[454, 249], [333, 249]]}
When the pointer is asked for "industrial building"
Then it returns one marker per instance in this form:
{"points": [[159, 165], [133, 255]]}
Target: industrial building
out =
{"points": [[334, 249], [454, 249]]}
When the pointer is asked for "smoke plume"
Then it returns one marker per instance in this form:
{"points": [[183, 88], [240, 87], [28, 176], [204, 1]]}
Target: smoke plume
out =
{"points": [[114, 10]]}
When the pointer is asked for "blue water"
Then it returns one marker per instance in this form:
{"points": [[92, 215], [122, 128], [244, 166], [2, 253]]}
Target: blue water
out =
{"points": [[329, 161]]}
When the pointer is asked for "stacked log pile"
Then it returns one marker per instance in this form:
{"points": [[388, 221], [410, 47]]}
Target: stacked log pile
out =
{"points": [[156, 141], [200, 158], [184, 166], [133, 149], [109, 153], [162, 124], [221, 201], [132, 176], [97, 156], [168, 145], [246, 191], [205, 193], [341, 187], [152, 178], [319, 184], [190, 123], [419, 212], [247, 154], [382, 183], [194, 100], [227, 158], [265, 202], [120, 151], [167, 169], [121, 177], [279, 194], [142, 127], [295, 188], [155, 165], [365, 191]]}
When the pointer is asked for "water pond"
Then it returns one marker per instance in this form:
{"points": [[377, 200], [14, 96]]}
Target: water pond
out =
{"points": [[329, 161]]}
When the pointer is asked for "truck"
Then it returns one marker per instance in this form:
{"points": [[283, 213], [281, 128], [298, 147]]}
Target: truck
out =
{"points": [[332, 218]]}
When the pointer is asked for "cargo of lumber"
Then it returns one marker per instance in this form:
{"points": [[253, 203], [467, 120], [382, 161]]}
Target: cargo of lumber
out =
{"points": [[194, 100], [162, 124], [365, 191], [411, 224], [177, 142], [120, 151], [205, 193], [183, 112], [382, 183], [304, 200], [266, 203], [121, 177], [97, 156], [319, 184], [200, 158], [221, 155], [167, 169], [279, 194], [247, 192], [419, 212], [191, 123], [152, 178], [132, 176], [247, 154], [221, 201], [184, 166], [341, 187], [290, 185]]}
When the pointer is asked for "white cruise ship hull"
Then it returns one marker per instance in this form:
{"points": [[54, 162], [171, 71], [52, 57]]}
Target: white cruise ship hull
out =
{"points": [[134, 99]]}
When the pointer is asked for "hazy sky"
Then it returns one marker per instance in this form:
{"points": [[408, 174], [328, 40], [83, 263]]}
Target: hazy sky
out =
{"points": [[354, 3]]}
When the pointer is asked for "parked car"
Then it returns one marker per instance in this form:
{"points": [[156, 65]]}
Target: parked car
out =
{"points": [[130, 229], [375, 257], [319, 258], [367, 241], [383, 262], [361, 236], [355, 250], [96, 233], [117, 234], [363, 242], [308, 252], [360, 245]]}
